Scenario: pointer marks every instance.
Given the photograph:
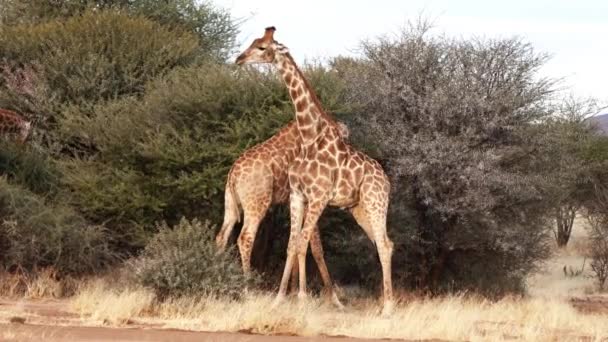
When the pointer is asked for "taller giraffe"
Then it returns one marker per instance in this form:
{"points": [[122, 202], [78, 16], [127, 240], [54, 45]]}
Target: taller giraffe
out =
{"points": [[259, 179], [13, 123], [327, 171]]}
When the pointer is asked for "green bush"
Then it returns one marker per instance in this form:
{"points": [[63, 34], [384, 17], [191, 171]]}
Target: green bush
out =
{"points": [[98, 55], [183, 260], [30, 167], [35, 234], [213, 26], [167, 155]]}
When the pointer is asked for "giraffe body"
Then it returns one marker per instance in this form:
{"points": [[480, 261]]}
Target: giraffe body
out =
{"points": [[257, 180], [13, 123], [326, 171]]}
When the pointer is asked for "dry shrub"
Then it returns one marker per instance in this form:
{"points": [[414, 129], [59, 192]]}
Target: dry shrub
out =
{"points": [[598, 250], [455, 124]]}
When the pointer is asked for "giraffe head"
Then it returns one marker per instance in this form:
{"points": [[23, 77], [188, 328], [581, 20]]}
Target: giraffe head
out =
{"points": [[262, 50]]}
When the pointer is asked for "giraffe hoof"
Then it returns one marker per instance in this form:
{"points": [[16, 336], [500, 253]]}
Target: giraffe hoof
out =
{"points": [[388, 308], [336, 302], [277, 302], [302, 296]]}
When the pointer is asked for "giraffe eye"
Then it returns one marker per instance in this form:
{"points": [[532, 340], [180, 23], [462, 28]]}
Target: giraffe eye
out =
{"points": [[262, 48]]}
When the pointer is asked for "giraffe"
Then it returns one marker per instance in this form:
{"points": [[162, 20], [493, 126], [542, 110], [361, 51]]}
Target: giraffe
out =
{"points": [[326, 171], [13, 123], [257, 180]]}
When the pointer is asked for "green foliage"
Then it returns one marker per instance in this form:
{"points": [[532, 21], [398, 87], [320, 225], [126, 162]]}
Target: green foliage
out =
{"points": [[183, 260], [167, 155], [29, 167], [98, 55], [36, 234], [214, 27]]}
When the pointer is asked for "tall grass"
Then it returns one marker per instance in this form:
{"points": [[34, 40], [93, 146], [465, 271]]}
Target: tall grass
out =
{"points": [[457, 317]]}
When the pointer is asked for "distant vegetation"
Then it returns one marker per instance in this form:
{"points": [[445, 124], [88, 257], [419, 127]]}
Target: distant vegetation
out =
{"points": [[138, 115]]}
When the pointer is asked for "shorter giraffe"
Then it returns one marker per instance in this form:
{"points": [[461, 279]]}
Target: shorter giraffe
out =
{"points": [[257, 180], [13, 123]]}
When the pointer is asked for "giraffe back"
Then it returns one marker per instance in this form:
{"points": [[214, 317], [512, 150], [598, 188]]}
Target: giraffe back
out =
{"points": [[272, 156], [329, 164]]}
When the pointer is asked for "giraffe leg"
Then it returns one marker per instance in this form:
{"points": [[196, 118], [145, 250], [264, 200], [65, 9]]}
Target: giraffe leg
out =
{"points": [[317, 252], [313, 212], [372, 218], [254, 213], [296, 208], [293, 278]]}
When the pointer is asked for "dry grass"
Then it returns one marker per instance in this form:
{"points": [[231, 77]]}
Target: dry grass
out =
{"points": [[551, 282], [453, 317], [545, 315], [36, 285], [112, 305]]}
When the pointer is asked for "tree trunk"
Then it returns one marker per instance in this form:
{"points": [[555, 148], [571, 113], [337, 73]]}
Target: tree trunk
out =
{"points": [[564, 220]]}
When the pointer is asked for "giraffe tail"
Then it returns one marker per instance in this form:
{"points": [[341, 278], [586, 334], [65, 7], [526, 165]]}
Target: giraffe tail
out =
{"points": [[232, 213]]}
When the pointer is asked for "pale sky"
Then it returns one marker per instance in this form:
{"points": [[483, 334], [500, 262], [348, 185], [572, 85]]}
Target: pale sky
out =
{"points": [[574, 33]]}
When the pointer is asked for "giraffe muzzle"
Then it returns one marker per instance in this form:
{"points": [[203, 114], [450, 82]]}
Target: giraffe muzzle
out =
{"points": [[240, 60]]}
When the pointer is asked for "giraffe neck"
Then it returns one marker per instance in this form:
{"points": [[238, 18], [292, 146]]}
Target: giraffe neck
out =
{"points": [[310, 117]]}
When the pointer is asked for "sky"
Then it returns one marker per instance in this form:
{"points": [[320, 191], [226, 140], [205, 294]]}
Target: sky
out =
{"points": [[573, 33]]}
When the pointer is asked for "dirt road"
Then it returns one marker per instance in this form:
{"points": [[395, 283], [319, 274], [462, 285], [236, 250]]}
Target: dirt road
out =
{"points": [[26, 332]]}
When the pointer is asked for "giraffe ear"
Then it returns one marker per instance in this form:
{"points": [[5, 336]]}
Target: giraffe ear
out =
{"points": [[269, 33]]}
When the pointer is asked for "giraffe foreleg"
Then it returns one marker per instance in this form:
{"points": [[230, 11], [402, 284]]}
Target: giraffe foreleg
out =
{"points": [[317, 252], [313, 212], [296, 209]]}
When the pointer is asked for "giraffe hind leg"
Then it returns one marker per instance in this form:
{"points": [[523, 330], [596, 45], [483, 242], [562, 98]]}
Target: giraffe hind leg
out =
{"points": [[372, 218], [253, 215]]}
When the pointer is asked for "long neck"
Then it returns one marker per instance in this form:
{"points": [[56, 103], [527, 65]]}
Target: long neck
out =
{"points": [[310, 116]]}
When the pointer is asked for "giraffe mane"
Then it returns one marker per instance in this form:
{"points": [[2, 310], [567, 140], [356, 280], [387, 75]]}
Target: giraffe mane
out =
{"points": [[313, 94]]}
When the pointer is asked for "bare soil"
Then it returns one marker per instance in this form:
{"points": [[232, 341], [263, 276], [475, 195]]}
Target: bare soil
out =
{"points": [[74, 333], [590, 304]]}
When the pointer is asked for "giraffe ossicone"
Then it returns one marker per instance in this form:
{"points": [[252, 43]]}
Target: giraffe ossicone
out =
{"points": [[326, 171]]}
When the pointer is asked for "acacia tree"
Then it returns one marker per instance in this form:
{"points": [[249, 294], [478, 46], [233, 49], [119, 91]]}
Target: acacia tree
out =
{"points": [[596, 205], [568, 137], [456, 124]]}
